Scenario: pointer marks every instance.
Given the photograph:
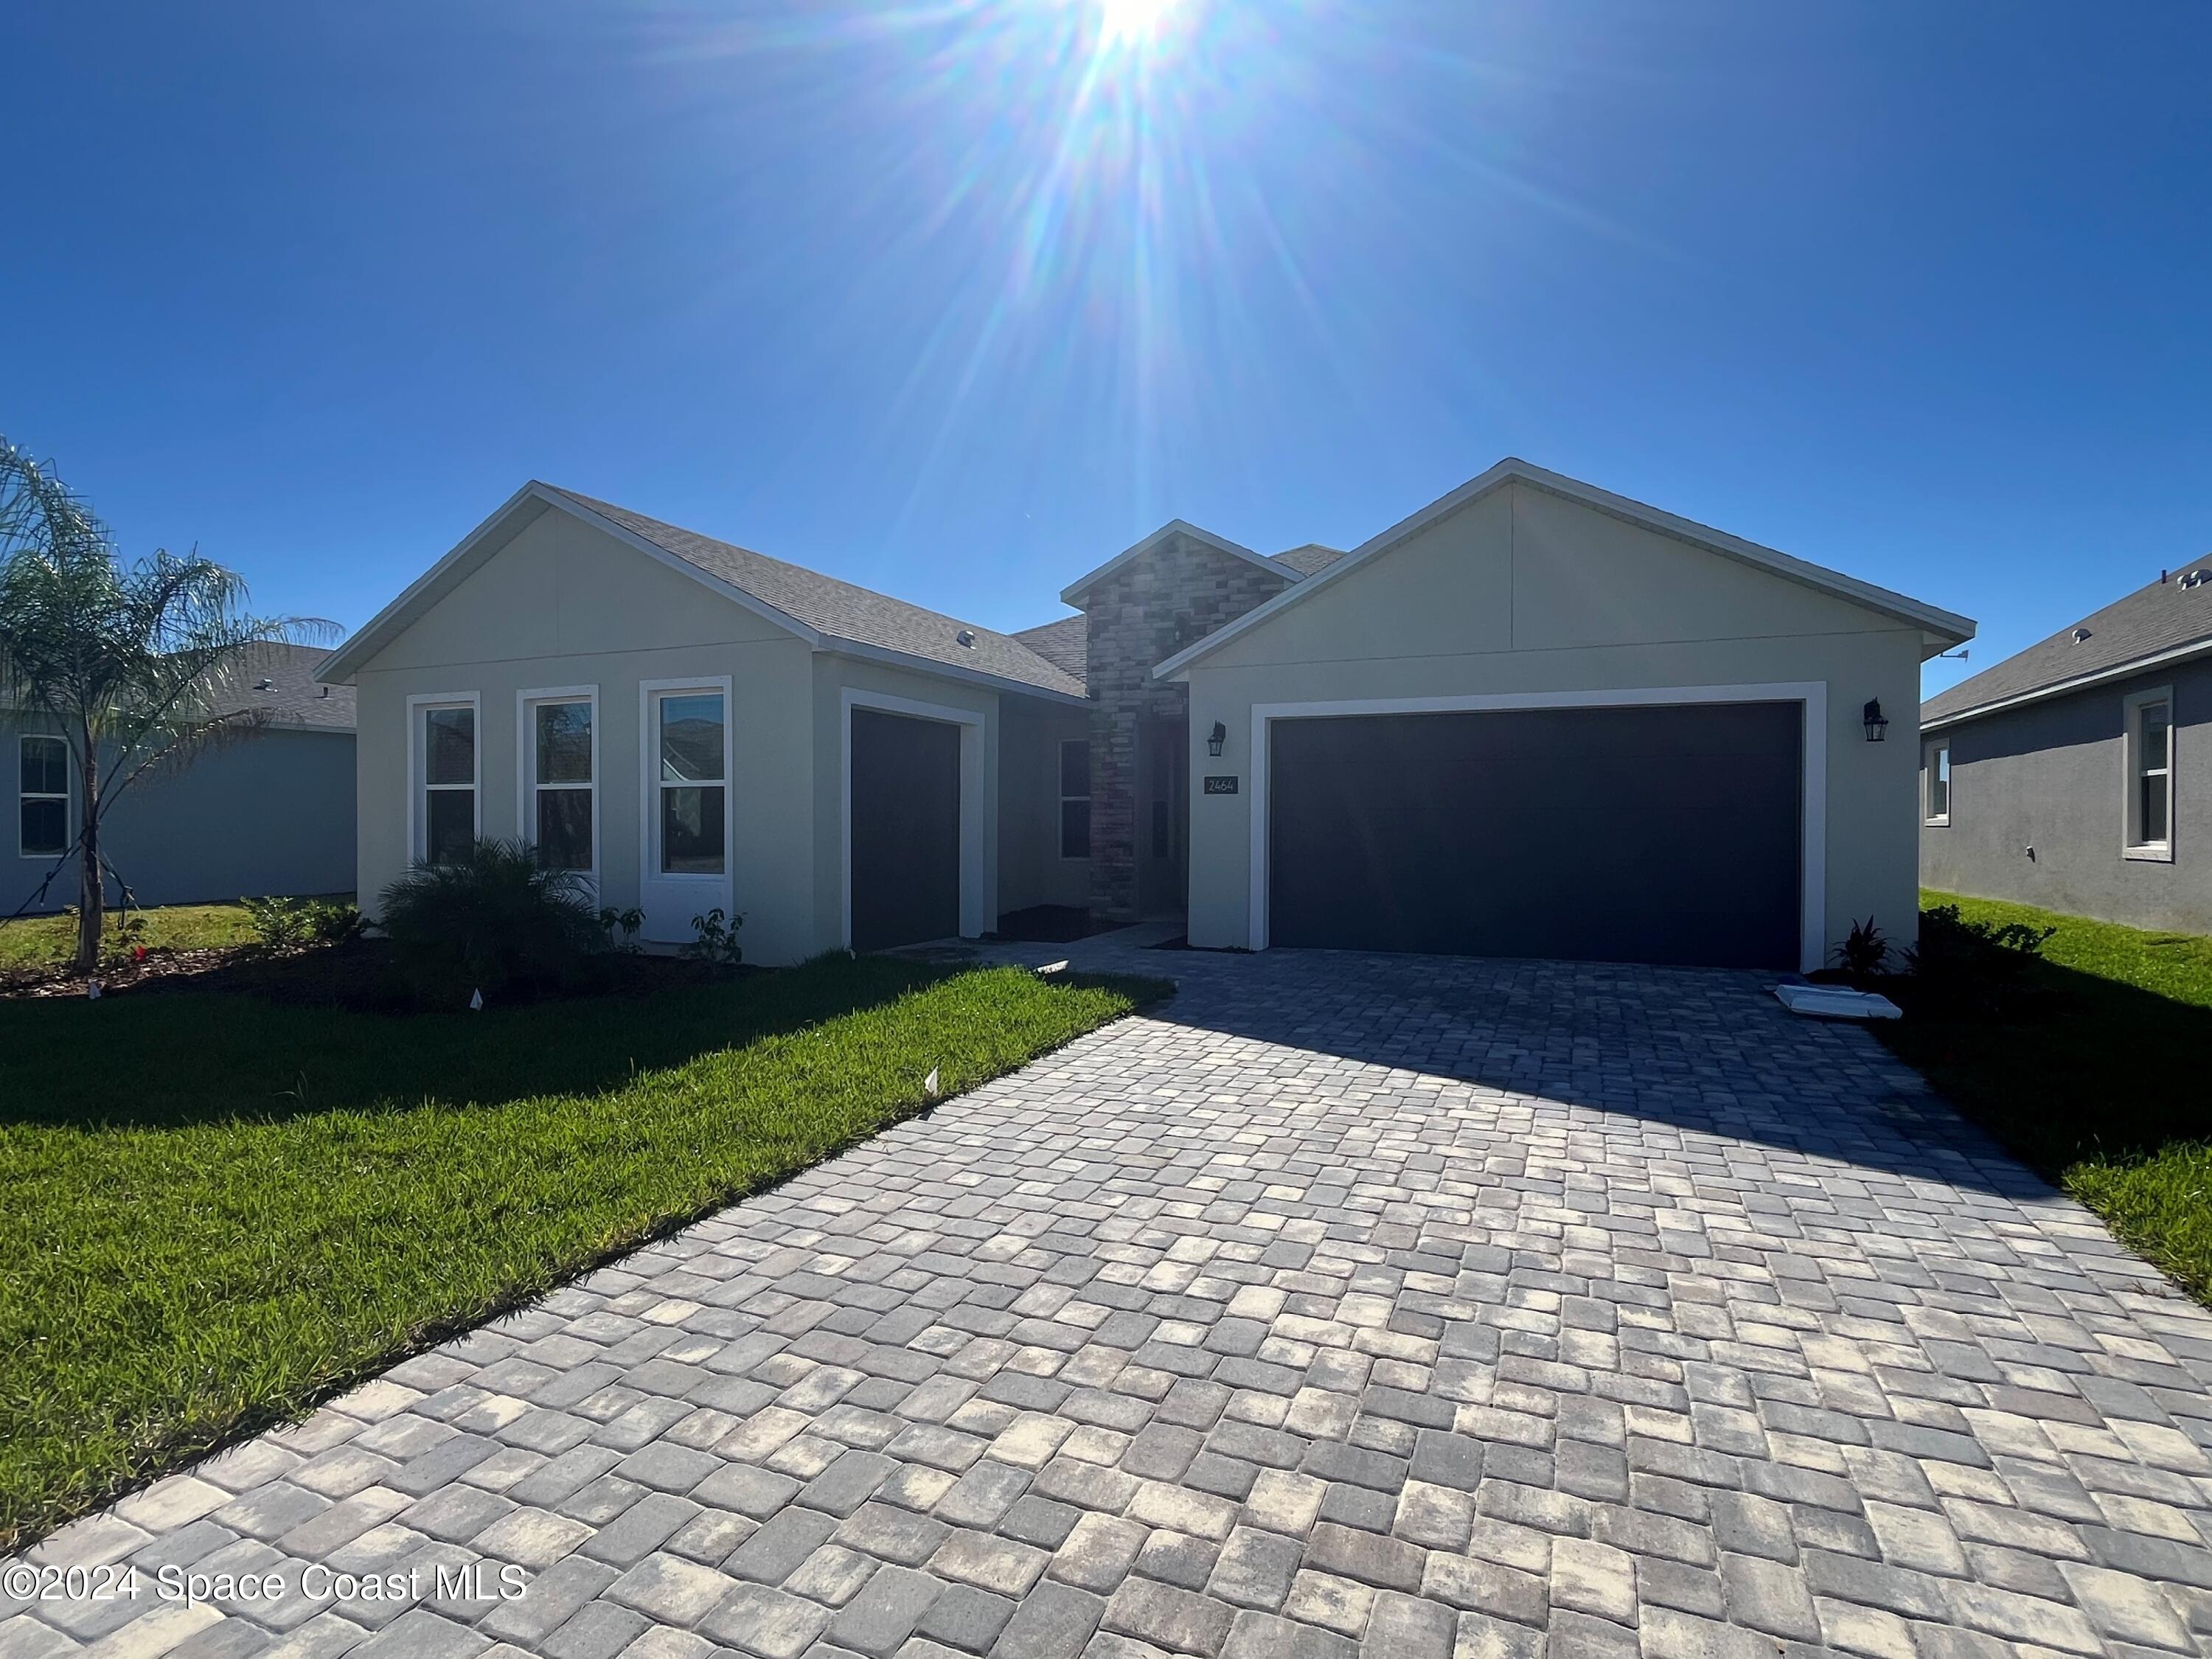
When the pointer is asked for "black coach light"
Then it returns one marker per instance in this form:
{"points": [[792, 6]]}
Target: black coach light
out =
{"points": [[1877, 723], [1216, 738]]}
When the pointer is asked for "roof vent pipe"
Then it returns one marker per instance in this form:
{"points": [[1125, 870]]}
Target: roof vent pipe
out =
{"points": [[2080, 635]]}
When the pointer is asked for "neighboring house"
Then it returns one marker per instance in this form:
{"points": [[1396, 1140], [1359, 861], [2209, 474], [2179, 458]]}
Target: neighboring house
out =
{"points": [[268, 809], [2073, 776], [1535, 719]]}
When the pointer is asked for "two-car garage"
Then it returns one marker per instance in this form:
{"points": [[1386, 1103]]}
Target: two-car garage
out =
{"points": [[1591, 834]]}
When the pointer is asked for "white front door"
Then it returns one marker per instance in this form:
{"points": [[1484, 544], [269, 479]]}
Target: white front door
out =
{"points": [[686, 808]]}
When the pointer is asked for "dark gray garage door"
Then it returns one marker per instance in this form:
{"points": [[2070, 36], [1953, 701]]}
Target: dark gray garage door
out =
{"points": [[1664, 835], [906, 829]]}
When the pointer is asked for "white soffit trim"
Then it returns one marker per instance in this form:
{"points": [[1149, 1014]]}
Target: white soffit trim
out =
{"points": [[1219, 543], [1944, 624], [519, 511], [2079, 682]]}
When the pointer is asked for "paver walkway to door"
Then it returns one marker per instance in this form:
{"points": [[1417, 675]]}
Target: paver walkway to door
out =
{"points": [[1410, 1306]]}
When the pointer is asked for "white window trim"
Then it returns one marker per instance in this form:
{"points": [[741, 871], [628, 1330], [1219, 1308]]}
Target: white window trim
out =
{"points": [[1813, 919], [1928, 815], [1060, 777], [68, 796], [649, 694], [2149, 852], [418, 825], [974, 806], [525, 763]]}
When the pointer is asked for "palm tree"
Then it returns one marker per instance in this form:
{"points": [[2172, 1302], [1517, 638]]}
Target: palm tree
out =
{"points": [[136, 667]]}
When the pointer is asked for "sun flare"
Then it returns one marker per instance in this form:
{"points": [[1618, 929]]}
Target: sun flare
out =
{"points": [[1132, 22]]}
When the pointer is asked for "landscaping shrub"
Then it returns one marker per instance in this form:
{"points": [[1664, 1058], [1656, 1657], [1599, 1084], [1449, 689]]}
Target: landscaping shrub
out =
{"points": [[1966, 968], [494, 921], [1863, 952], [715, 940], [278, 923]]}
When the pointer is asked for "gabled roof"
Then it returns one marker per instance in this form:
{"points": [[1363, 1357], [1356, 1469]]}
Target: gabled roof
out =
{"points": [[2164, 622], [1939, 628], [827, 613], [1071, 594], [1066, 644]]}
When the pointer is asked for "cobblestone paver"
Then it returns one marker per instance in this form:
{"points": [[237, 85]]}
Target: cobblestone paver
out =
{"points": [[1347, 1305]]}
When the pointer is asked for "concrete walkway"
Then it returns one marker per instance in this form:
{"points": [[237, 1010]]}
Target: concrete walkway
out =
{"points": [[1348, 1303]]}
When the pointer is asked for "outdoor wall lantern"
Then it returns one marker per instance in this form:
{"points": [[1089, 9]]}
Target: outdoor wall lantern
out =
{"points": [[1216, 738], [1877, 723]]}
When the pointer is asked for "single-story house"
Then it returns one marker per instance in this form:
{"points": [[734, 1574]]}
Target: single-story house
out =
{"points": [[2068, 775], [269, 810], [1533, 719]]}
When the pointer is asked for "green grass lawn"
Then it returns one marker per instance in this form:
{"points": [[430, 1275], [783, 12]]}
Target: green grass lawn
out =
{"points": [[220, 1209], [36, 942], [2107, 1088]]}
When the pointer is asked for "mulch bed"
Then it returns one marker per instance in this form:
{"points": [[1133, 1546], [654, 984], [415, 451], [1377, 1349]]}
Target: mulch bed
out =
{"points": [[357, 975]]}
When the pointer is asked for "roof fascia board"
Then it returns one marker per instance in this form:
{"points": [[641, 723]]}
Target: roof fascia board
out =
{"points": [[2095, 678], [833, 646], [1941, 625], [340, 667], [1129, 554]]}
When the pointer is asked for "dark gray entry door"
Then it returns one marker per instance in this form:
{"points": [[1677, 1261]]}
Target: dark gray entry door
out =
{"points": [[906, 829], [1661, 835]]}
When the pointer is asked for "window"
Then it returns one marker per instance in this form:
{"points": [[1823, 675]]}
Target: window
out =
{"points": [[692, 738], [560, 753], [44, 792], [1075, 798], [2150, 774], [445, 757], [1935, 781]]}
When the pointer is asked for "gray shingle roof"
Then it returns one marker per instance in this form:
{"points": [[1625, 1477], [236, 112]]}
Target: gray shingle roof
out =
{"points": [[1065, 644], [841, 611], [1309, 559], [2164, 615], [280, 680]]}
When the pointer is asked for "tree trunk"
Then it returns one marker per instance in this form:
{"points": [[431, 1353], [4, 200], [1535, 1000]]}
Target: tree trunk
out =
{"points": [[91, 890]]}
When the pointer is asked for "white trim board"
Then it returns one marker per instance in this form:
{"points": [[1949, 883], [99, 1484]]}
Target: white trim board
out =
{"points": [[722, 889], [975, 898], [418, 824], [1944, 625], [2178, 653], [1811, 694]]}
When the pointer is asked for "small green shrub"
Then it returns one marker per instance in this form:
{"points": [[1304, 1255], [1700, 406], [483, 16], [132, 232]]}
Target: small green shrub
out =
{"points": [[621, 927], [279, 922], [491, 922], [717, 940], [1968, 969], [1864, 951]]}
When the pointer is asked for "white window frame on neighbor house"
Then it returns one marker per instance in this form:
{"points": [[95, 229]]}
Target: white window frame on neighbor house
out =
{"points": [[526, 784], [418, 766], [974, 897], [68, 796], [1060, 827], [694, 893], [1812, 761], [1934, 766], [2136, 839]]}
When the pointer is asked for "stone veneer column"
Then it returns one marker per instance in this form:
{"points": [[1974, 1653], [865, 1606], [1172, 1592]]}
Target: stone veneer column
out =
{"points": [[1141, 615]]}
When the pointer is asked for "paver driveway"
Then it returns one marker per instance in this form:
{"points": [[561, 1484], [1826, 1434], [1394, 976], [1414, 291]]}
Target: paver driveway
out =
{"points": [[1409, 1307]]}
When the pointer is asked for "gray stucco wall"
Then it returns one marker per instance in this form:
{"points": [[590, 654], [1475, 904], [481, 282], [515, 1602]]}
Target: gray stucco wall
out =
{"points": [[2053, 775], [272, 812]]}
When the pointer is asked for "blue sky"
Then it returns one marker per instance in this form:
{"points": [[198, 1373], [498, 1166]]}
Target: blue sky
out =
{"points": [[949, 299]]}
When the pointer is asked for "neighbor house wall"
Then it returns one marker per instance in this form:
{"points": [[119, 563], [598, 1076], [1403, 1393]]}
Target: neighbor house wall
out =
{"points": [[2053, 775], [564, 604], [269, 812], [1522, 591], [1031, 868]]}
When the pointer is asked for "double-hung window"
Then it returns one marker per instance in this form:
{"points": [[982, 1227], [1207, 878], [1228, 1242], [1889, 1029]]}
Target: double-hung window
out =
{"points": [[1935, 781], [43, 797], [2150, 774], [1075, 798], [446, 821], [691, 737], [560, 758]]}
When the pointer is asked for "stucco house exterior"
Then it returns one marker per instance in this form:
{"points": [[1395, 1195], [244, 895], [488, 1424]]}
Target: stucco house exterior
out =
{"points": [[269, 810], [1533, 719], [2071, 775]]}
